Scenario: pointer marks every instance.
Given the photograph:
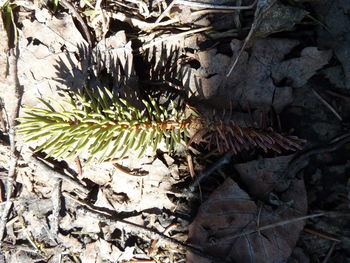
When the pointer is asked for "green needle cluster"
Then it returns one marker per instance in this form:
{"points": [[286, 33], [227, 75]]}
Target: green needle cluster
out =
{"points": [[101, 125]]}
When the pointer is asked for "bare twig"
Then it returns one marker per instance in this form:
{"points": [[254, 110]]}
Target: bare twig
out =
{"points": [[51, 172], [190, 166], [2, 191], [259, 15], [202, 5], [322, 235], [223, 160], [213, 6], [155, 243], [318, 96], [302, 160], [165, 12], [56, 201], [146, 26], [79, 166], [13, 78], [266, 227], [71, 8], [89, 209], [330, 251], [335, 94], [174, 36], [8, 246], [121, 170]]}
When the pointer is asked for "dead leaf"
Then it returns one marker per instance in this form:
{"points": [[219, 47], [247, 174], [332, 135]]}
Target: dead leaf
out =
{"points": [[264, 175], [334, 32], [70, 242], [144, 192], [297, 71], [227, 226], [279, 17], [53, 48], [107, 251], [256, 87], [90, 253]]}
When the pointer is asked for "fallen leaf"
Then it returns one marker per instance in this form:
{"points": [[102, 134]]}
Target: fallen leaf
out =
{"points": [[70, 242], [264, 175], [278, 18], [298, 70], [334, 32], [53, 48], [90, 253], [227, 227]]}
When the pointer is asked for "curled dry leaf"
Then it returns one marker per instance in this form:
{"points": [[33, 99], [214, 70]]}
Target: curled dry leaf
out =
{"points": [[227, 226]]}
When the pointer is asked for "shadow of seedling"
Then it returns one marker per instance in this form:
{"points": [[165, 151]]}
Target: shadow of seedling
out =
{"points": [[167, 73], [98, 68]]}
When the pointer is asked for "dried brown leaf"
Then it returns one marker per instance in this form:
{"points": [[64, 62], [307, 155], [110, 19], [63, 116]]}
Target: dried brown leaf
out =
{"points": [[227, 214]]}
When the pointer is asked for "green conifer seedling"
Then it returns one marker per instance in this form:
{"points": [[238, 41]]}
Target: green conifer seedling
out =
{"points": [[106, 127], [101, 125]]}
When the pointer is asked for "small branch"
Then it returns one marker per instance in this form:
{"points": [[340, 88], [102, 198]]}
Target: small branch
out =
{"points": [[7, 246], [122, 171], [259, 15], [79, 166], [153, 234], [322, 235], [17, 90], [302, 160], [174, 36], [86, 31], [165, 12], [53, 173], [57, 204], [330, 251], [335, 94], [224, 160], [213, 6], [318, 96], [202, 5], [266, 227]]}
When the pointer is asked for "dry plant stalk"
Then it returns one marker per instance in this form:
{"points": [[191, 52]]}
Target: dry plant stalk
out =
{"points": [[106, 127]]}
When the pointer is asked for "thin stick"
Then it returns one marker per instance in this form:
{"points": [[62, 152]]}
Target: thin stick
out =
{"points": [[121, 170], [330, 251], [13, 78], [79, 166], [318, 96], [141, 261], [57, 204], [53, 173], [202, 5], [2, 191], [190, 165], [158, 41], [259, 14], [266, 227], [165, 12], [87, 208], [322, 235], [224, 160], [18, 248], [302, 160], [335, 94], [213, 6], [86, 31]]}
